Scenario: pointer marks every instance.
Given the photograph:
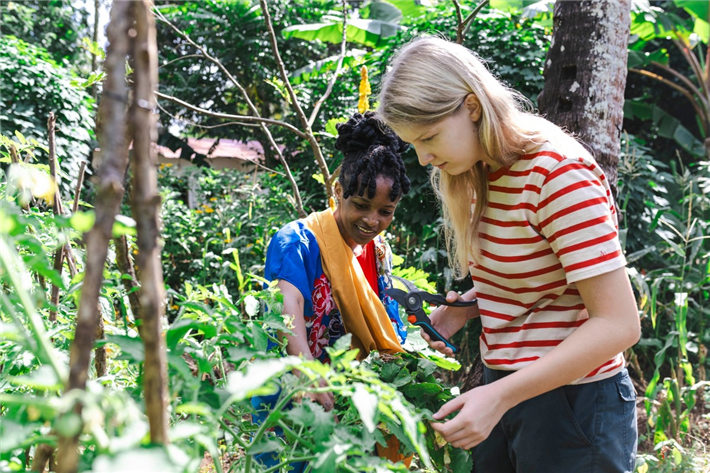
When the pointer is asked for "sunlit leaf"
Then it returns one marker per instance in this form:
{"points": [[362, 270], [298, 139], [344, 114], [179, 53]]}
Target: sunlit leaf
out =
{"points": [[252, 380]]}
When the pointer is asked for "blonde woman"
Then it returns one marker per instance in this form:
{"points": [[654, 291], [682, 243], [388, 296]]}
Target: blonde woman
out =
{"points": [[530, 216]]}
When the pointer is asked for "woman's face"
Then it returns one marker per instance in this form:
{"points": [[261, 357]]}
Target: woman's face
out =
{"points": [[359, 218], [452, 144]]}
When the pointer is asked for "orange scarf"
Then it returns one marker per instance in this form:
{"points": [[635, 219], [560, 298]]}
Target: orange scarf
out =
{"points": [[363, 314]]}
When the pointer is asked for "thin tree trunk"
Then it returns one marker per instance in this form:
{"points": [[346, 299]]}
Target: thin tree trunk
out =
{"points": [[59, 252], [95, 39], [146, 202], [125, 265], [108, 201], [585, 75]]}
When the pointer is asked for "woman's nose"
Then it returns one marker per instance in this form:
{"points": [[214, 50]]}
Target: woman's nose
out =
{"points": [[425, 157], [371, 219]]}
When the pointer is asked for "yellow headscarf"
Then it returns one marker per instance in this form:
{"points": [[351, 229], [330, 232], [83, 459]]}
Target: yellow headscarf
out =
{"points": [[363, 314]]}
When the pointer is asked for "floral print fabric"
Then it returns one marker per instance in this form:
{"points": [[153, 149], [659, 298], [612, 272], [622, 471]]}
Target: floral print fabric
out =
{"points": [[294, 256]]}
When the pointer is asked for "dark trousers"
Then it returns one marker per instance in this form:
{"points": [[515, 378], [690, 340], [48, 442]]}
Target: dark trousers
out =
{"points": [[585, 428]]}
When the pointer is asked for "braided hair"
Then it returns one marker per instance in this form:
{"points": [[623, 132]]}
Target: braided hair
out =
{"points": [[370, 149]]}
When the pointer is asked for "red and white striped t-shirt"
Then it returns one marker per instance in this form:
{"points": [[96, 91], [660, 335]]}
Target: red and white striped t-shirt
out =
{"points": [[550, 222]]}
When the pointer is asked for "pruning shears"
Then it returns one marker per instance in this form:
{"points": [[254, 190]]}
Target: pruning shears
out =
{"points": [[413, 301]]}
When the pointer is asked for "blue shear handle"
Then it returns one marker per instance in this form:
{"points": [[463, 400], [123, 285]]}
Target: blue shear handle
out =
{"points": [[436, 336]]}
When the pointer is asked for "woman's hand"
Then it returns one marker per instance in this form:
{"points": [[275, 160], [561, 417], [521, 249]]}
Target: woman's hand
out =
{"points": [[479, 411], [449, 320], [327, 400]]}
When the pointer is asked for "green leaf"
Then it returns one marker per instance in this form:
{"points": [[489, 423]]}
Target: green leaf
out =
{"points": [[253, 380], [14, 435], [419, 391], [149, 459], [185, 429], [43, 378], [372, 33], [640, 59], [698, 8], [182, 326], [68, 424], [260, 338], [384, 11], [131, 347], [265, 445], [330, 126], [82, 222], [461, 461], [410, 8], [366, 405], [123, 226], [194, 408], [702, 29]]}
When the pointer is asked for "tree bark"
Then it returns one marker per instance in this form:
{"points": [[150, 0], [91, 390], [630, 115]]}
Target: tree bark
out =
{"points": [[59, 252], [145, 203], [125, 265], [108, 201], [585, 75]]}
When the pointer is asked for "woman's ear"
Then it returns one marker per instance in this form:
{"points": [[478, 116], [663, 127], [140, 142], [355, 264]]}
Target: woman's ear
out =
{"points": [[338, 191], [474, 107]]}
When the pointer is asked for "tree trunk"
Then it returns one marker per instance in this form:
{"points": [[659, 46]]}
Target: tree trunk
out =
{"points": [[145, 203], [585, 75], [108, 201]]}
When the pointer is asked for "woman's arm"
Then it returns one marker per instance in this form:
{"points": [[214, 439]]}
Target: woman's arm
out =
{"points": [[613, 326], [297, 342]]}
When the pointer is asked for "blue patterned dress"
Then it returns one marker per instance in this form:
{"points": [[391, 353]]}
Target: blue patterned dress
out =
{"points": [[294, 256]]}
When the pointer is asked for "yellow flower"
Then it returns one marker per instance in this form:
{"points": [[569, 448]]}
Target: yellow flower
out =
{"points": [[228, 240], [174, 307], [363, 104], [331, 203], [32, 180], [213, 199], [167, 165], [208, 209], [198, 211]]}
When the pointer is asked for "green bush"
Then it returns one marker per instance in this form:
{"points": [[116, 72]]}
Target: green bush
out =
{"points": [[32, 85]]}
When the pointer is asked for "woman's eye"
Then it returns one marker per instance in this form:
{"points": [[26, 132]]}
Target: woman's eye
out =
{"points": [[360, 206], [386, 213], [427, 140]]}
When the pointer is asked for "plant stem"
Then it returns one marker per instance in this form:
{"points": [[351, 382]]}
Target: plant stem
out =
{"points": [[290, 460]]}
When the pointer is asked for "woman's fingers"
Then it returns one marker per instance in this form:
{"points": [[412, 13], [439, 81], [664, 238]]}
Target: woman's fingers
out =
{"points": [[438, 346], [449, 408]]}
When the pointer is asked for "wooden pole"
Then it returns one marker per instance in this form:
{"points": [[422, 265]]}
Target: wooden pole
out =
{"points": [[146, 207], [108, 200]]}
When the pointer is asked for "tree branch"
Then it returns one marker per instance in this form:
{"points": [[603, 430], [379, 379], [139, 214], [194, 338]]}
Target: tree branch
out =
{"points": [[469, 19], [673, 85], [108, 201], [146, 207], [331, 83], [227, 116], [459, 22], [320, 160], [252, 107]]}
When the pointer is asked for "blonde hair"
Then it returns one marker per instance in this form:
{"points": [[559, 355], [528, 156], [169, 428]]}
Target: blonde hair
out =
{"points": [[427, 81]]}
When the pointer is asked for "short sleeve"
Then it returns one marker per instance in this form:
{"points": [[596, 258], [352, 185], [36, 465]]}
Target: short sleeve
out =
{"points": [[294, 256], [576, 215]]}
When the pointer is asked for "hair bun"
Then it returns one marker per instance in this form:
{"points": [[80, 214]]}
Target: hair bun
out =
{"points": [[362, 132]]}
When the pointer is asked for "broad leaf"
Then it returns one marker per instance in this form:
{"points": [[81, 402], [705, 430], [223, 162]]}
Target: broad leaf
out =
{"points": [[366, 405], [384, 11], [147, 459], [253, 380], [372, 33], [641, 59], [698, 8]]}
